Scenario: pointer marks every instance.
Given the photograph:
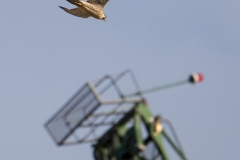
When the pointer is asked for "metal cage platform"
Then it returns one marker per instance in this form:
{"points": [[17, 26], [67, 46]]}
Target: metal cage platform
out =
{"points": [[94, 108]]}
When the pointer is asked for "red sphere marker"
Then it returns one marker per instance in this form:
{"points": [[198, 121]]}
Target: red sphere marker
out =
{"points": [[196, 78]]}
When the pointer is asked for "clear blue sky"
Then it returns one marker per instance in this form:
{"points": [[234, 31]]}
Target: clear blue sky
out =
{"points": [[47, 54]]}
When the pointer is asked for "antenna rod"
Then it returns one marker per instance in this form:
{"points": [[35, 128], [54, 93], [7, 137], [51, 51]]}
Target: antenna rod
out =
{"points": [[193, 78]]}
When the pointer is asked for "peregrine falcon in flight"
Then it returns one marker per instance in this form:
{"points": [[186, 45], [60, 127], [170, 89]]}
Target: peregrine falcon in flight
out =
{"points": [[85, 9]]}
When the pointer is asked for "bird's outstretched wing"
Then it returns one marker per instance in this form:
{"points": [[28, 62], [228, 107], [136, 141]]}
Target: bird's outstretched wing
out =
{"points": [[74, 1], [76, 12], [101, 3]]}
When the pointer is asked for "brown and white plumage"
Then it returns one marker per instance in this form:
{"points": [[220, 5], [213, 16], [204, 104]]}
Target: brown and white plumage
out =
{"points": [[158, 125], [76, 12], [89, 8]]}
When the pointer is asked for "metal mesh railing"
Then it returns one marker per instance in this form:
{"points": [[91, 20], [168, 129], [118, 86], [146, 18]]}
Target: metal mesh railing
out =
{"points": [[102, 98], [72, 114]]}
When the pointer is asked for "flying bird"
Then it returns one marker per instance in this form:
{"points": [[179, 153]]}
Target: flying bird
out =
{"points": [[89, 8]]}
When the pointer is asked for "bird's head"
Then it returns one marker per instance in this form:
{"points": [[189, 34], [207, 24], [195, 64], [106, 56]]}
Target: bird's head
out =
{"points": [[104, 17], [158, 118]]}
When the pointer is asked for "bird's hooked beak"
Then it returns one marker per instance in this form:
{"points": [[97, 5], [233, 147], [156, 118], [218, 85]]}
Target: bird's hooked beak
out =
{"points": [[104, 18]]}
